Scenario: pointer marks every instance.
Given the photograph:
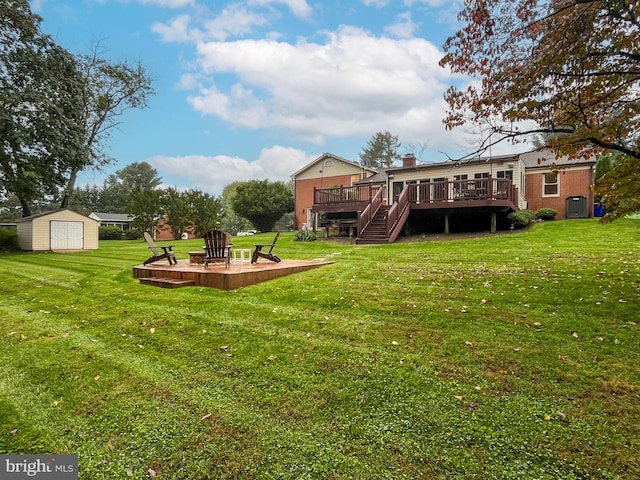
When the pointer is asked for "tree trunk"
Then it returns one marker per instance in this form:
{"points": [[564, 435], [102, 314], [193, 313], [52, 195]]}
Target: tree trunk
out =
{"points": [[68, 190], [26, 211]]}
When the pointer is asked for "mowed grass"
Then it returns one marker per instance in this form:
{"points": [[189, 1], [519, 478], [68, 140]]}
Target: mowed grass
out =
{"points": [[505, 356]]}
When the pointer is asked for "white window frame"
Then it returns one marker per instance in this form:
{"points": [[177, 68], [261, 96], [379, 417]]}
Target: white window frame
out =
{"points": [[545, 184]]}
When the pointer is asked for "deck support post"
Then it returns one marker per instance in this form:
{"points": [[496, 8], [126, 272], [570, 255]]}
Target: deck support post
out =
{"points": [[494, 221], [446, 223]]}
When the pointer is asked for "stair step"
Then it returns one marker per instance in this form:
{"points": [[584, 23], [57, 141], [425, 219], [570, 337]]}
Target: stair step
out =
{"points": [[166, 282]]}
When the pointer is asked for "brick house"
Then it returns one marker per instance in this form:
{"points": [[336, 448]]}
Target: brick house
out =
{"points": [[449, 196], [324, 172], [559, 183]]}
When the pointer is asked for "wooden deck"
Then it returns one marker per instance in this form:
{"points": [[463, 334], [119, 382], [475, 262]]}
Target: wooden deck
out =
{"points": [[238, 275]]}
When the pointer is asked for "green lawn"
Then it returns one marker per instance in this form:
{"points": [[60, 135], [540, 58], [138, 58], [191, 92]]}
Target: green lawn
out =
{"points": [[508, 356]]}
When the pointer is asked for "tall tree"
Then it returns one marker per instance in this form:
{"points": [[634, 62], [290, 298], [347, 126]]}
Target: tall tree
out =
{"points": [[177, 213], [42, 138], [140, 175], [145, 207], [113, 88], [262, 202], [381, 151], [569, 67], [619, 188], [231, 221], [206, 211]]}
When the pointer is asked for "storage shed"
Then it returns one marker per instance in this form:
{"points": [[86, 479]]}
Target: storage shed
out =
{"points": [[60, 230]]}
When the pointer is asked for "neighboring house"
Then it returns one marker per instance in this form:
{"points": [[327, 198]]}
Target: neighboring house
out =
{"points": [[163, 231], [476, 194], [61, 230], [120, 220], [325, 171]]}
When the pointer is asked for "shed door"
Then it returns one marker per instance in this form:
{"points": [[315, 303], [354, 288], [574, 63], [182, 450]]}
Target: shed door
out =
{"points": [[67, 235]]}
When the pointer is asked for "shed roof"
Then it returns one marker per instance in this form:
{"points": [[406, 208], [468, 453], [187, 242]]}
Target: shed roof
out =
{"points": [[53, 212]]}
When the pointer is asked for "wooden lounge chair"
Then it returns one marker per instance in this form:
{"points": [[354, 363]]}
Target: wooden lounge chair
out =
{"points": [[167, 252], [257, 253], [217, 247]]}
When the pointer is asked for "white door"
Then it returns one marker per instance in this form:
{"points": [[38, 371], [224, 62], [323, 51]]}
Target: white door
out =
{"points": [[67, 235]]}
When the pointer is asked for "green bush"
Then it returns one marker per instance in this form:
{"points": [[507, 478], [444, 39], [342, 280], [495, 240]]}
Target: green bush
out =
{"points": [[521, 218], [133, 234], [305, 236], [9, 240], [110, 233], [546, 214]]}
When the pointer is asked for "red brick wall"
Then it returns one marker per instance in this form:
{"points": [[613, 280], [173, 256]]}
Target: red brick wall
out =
{"points": [[573, 183], [304, 194], [164, 232]]}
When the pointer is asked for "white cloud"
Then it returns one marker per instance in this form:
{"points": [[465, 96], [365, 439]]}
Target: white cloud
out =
{"points": [[212, 174], [354, 84], [169, 3], [404, 27], [300, 8], [375, 3], [234, 20], [177, 30]]}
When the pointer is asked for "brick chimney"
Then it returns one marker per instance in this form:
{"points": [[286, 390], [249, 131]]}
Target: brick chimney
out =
{"points": [[409, 160]]}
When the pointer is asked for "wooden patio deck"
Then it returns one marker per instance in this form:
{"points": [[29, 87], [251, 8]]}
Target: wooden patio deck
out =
{"points": [[185, 274]]}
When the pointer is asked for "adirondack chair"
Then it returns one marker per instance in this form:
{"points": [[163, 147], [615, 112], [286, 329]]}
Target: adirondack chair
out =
{"points": [[257, 253], [167, 252], [217, 247]]}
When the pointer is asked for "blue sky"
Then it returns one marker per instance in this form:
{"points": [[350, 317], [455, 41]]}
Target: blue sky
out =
{"points": [[255, 89]]}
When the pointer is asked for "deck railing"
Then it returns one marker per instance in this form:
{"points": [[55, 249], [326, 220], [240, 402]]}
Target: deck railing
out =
{"points": [[355, 194], [430, 192], [463, 190]]}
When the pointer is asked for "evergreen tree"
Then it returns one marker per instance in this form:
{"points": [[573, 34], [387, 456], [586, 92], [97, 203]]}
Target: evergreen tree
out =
{"points": [[381, 151]]}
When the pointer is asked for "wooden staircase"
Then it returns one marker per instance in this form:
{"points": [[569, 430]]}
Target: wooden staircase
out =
{"points": [[376, 231]]}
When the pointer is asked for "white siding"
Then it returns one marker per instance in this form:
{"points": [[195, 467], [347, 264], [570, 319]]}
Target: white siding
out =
{"points": [[36, 233]]}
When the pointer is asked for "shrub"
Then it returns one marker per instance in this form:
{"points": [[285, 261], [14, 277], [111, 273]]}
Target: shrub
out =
{"points": [[521, 218], [110, 233], [9, 240], [305, 236], [546, 214], [133, 234]]}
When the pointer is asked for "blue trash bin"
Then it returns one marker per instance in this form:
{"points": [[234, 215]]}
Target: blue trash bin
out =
{"points": [[598, 210]]}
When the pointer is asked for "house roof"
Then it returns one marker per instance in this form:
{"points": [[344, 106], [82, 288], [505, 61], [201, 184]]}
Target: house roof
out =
{"points": [[329, 156], [380, 177], [111, 217], [544, 158], [44, 214], [457, 163]]}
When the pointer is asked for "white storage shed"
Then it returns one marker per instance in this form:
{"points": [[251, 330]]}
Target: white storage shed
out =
{"points": [[61, 230]]}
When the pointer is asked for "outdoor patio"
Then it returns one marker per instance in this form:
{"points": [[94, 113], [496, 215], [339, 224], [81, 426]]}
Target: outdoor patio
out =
{"points": [[238, 275]]}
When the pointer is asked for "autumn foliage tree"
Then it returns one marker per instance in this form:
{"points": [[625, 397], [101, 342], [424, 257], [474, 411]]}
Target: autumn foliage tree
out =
{"points": [[567, 68]]}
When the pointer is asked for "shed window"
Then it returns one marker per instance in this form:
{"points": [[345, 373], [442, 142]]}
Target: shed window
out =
{"points": [[551, 184]]}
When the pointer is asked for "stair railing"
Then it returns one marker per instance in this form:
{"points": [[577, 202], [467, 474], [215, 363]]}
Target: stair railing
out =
{"points": [[364, 217], [398, 209]]}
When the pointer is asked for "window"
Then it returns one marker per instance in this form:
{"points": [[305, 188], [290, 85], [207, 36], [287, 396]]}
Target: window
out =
{"points": [[550, 184], [505, 174], [478, 176]]}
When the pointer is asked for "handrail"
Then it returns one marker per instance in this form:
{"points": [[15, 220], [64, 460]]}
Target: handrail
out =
{"points": [[397, 209], [364, 217]]}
